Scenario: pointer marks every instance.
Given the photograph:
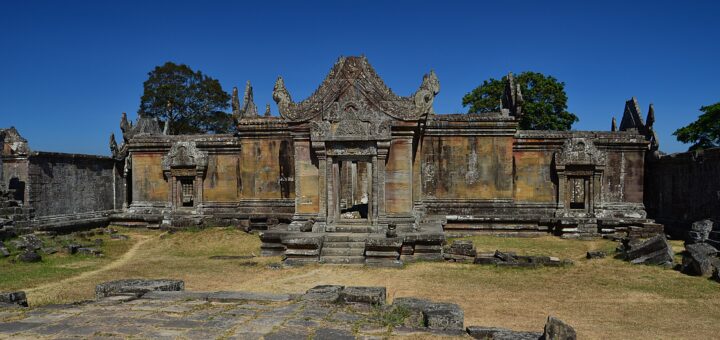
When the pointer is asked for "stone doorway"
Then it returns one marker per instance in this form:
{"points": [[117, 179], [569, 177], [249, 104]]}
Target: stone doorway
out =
{"points": [[354, 189]]}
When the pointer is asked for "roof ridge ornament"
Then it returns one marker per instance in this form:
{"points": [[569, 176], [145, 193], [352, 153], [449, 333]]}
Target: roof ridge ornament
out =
{"points": [[356, 74], [512, 99], [248, 109]]}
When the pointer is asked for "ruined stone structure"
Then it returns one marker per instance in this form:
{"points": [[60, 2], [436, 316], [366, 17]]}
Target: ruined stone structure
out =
{"points": [[354, 157], [683, 188], [56, 190]]}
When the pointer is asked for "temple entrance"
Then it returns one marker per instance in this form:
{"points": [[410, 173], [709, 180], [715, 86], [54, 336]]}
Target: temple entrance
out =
{"points": [[354, 189]]}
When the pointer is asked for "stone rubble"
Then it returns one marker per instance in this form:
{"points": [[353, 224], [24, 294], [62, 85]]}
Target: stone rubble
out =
{"points": [[595, 254], [464, 251], [655, 250]]}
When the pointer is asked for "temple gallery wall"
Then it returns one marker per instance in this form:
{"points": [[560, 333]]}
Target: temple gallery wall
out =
{"points": [[354, 157]]}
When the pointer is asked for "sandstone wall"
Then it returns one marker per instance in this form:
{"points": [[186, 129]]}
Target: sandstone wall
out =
{"points": [[683, 188], [65, 184]]}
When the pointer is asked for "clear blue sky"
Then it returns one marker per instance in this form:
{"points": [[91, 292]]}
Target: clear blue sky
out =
{"points": [[69, 68]]}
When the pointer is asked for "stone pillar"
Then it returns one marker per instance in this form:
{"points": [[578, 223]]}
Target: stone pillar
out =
{"points": [[562, 183], [383, 148], [198, 190], [374, 191], [322, 185]]}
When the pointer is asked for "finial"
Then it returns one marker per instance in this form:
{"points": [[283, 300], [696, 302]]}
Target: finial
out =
{"points": [[267, 110], [113, 145], [613, 126], [235, 102], [650, 117], [249, 109]]}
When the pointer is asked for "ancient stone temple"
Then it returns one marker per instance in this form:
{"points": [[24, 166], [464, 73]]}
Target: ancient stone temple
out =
{"points": [[356, 172]]}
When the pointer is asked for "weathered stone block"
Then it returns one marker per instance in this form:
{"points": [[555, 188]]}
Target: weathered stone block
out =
{"points": [[137, 287], [493, 333], [29, 256], [700, 231], [556, 329], [444, 316], [655, 250], [369, 295], [595, 254], [16, 298], [486, 260], [323, 293], [699, 259]]}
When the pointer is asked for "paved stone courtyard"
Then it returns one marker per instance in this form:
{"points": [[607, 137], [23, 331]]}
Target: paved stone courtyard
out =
{"points": [[183, 317], [324, 312], [160, 309]]}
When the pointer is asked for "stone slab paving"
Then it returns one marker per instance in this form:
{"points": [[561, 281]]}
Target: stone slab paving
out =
{"points": [[161, 309], [193, 315]]}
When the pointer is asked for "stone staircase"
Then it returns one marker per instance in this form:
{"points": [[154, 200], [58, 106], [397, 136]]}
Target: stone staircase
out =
{"points": [[343, 248]]}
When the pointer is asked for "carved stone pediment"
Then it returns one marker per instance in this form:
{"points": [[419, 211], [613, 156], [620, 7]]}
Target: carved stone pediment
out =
{"points": [[351, 120], [185, 158], [580, 151], [354, 75]]}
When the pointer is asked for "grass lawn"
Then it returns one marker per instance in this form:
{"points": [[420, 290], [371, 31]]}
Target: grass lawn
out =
{"points": [[605, 298]]}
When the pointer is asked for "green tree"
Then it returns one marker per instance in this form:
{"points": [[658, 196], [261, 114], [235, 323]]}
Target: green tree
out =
{"points": [[545, 106], [191, 101], [705, 131]]}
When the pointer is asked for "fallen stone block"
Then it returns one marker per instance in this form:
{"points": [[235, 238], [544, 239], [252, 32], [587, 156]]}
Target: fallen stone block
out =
{"points": [[29, 257], [369, 295], [699, 259], [493, 333], [655, 250], [137, 287], [30, 242], [444, 317], [89, 251], [506, 257], [49, 250], [486, 260], [15, 298], [556, 329], [323, 293], [4, 252], [73, 248], [595, 254], [433, 315], [118, 237], [700, 231]]}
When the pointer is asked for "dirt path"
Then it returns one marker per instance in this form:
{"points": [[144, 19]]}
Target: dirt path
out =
{"points": [[122, 260]]}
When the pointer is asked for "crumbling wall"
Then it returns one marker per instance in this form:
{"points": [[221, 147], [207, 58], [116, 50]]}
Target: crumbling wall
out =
{"points": [[683, 188], [63, 184]]}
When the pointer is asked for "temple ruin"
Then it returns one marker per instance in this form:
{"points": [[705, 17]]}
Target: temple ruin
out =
{"points": [[356, 173]]}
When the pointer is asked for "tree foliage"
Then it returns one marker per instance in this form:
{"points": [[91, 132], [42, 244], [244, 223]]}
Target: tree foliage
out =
{"points": [[191, 101], [704, 132], [545, 106]]}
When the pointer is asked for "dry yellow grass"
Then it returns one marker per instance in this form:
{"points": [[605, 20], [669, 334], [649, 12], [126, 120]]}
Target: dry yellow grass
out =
{"points": [[602, 299]]}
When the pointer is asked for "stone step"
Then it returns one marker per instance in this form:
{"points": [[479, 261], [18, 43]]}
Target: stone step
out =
{"points": [[343, 259], [343, 245], [345, 237], [342, 252]]}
